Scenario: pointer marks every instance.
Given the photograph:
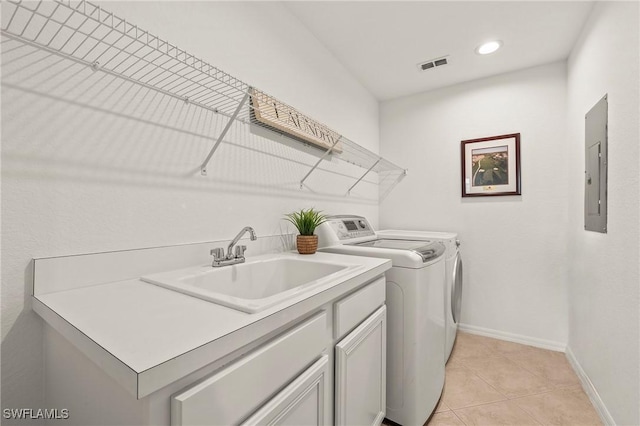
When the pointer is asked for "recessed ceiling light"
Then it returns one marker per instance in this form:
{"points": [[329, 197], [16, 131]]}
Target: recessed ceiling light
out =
{"points": [[489, 47]]}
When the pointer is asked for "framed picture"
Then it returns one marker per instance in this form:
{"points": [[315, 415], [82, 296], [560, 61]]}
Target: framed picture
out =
{"points": [[491, 166]]}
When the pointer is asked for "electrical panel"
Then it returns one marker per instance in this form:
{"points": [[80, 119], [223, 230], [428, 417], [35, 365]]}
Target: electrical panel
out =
{"points": [[595, 186]]}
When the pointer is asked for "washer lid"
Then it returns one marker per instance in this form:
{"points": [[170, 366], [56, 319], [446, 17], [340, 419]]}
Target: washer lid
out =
{"points": [[428, 250], [416, 235]]}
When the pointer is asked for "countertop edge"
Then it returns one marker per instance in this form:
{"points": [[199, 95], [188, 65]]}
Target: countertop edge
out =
{"points": [[115, 367]]}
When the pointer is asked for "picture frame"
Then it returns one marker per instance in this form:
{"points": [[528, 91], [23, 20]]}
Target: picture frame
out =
{"points": [[491, 166]]}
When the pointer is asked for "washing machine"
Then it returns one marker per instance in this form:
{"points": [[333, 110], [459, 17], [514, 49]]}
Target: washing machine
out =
{"points": [[415, 312], [453, 263]]}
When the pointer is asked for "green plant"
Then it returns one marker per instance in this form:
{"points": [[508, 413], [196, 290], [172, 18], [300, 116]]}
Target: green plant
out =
{"points": [[306, 220]]}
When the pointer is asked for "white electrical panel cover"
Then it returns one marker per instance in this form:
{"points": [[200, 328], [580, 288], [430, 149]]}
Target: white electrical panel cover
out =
{"points": [[595, 186]]}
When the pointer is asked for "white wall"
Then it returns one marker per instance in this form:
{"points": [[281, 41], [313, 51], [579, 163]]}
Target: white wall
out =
{"points": [[513, 247], [90, 164], [603, 268]]}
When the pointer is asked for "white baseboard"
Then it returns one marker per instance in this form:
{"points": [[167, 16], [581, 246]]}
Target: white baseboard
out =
{"points": [[589, 389], [512, 337]]}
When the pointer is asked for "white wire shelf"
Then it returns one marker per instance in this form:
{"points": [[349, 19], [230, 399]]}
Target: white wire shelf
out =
{"points": [[86, 33]]}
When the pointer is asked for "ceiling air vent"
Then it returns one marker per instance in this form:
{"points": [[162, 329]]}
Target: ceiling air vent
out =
{"points": [[437, 62]]}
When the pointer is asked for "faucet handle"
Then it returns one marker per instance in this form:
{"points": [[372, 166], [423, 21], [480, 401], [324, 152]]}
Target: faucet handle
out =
{"points": [[240, 251], [217, 253]]}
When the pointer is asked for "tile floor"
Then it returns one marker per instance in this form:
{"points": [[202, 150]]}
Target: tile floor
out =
{"points": [[492, 382]]}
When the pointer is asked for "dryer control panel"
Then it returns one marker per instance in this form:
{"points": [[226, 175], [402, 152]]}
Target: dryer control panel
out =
{"points": [[350, 227]]}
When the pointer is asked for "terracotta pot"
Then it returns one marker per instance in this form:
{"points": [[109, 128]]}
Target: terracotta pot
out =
{"points": [[307, 244]]}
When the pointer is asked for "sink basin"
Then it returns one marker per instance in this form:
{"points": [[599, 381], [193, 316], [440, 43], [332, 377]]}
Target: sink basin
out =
{"points": [[255, 285]]}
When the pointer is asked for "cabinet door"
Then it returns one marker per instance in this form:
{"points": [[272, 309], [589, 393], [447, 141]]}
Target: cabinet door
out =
{"points": [[361, 373], [304, 402]]}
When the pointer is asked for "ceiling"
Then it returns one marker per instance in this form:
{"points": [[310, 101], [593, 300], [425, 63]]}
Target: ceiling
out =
{"points": [[382, 43]]}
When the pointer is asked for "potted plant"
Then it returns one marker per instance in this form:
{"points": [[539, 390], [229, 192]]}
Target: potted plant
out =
{"points": [[306, 221]]}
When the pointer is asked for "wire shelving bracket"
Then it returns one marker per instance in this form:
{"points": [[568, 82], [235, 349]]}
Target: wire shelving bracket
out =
{"points": [[325, 155], [203, 166], [365, 173]]}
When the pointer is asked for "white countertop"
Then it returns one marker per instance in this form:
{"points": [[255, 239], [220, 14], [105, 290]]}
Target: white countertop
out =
{"points": [[149, 336]]}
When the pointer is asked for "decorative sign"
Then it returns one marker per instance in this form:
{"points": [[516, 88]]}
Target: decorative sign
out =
{"points": [[269, 111], [491, 166]]}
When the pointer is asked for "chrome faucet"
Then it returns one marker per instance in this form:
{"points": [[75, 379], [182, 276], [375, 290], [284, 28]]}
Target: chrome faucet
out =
{"points": [[231, 258]]}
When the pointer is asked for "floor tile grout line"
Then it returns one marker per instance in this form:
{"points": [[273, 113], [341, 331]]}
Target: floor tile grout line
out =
{"points": [[565, 389], [549, 382], [495, 402], [480, 404], [483, 403], [485, 382], [532, 372], [528, 415], [508, 398], [527, 394], [458, 417], [524, 365]]}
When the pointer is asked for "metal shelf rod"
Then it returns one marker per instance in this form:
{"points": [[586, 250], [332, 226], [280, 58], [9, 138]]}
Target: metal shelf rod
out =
{"points": [[365, 173], [319, 161], [203, 167]]}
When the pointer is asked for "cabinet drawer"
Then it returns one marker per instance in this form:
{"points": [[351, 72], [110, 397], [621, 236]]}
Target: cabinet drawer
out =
{"points": [[231, 394], [303, 402], [353, 309]]}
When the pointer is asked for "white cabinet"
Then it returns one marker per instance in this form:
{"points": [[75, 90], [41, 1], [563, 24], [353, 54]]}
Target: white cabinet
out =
{"points": [[305, 402], [360, 388], [298, 378]]}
